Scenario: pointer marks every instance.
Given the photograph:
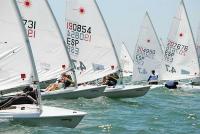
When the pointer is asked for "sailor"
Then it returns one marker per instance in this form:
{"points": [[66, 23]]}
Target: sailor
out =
{"points": [[55, 86], [171, 84], [111, 80], [63, 82], [153, 78], [27, 97], [67, 80], [196, 80]]}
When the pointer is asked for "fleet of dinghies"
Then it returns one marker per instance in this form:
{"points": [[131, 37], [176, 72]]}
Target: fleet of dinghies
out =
{"points": [[91, 35], [52, 58], [34, 51], [18, 68]]}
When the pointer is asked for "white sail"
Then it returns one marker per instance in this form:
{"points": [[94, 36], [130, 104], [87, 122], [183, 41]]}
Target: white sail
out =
{"points": [[198, 42], [148, 52], [15, 66], [89, 42], [126, 61], [45, 39], [180, 55]]}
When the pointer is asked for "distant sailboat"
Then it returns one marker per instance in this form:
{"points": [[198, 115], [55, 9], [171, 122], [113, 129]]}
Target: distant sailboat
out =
{"points": [[126, 61], [181, 60], [198, 42], [18, 69], [50, 51], [196, 81], [148, 52], [180, 56], [91, 47]]}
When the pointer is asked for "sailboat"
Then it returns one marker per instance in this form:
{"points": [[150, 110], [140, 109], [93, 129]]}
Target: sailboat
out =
{"points": [[126, 61], [198, 42], [147, 53], [50, 51], [18, 69], [196, 81], [181, 60], [91, 48]]}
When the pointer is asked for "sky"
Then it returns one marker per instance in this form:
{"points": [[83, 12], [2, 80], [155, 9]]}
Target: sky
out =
{"points": [[124, 17]]}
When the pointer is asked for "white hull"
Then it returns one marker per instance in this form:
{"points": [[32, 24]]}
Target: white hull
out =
{"points": [[127, 91], [88, 91], [50, 116], [156, 86], [189, 88]]}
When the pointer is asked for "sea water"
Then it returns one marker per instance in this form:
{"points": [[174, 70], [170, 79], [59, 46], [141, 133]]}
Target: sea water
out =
{"points": [[160, 111]]}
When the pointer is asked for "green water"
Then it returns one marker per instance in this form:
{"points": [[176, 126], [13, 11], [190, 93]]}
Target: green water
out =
{"points": [[158, 112]]}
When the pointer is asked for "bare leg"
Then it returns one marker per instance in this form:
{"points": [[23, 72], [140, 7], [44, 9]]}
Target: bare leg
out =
{"points": [[52, 87]]}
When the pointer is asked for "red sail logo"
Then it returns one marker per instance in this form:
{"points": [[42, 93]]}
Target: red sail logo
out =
{"points": [[27, 3], [81, 10]]}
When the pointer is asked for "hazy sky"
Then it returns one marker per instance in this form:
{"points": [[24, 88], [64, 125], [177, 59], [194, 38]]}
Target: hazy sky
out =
{"points": [[124, 17]]}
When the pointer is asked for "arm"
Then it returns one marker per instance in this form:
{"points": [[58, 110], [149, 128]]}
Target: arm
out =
{"points": [[68, 79], [149, 78], [32, 99]]}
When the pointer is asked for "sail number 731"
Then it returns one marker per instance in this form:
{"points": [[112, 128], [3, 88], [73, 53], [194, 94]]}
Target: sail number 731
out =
{"points": [[30, 26]]}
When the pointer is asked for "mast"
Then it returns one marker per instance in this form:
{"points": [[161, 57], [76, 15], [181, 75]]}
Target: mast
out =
{"points": [[120, 68], [35, 79], [65, 46], [182, 2]]}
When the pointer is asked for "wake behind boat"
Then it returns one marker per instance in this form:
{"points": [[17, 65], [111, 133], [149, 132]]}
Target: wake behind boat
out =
{"points": [[189, 88]]}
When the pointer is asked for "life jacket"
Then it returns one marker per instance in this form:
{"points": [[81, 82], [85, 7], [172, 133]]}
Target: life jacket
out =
{"points": [[153, 78], [68, 82]]}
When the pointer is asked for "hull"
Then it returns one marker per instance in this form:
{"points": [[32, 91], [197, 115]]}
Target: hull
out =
{"points": [[87, 91], [156, 86], [189, 88], [49, 116], [128, 91]]}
